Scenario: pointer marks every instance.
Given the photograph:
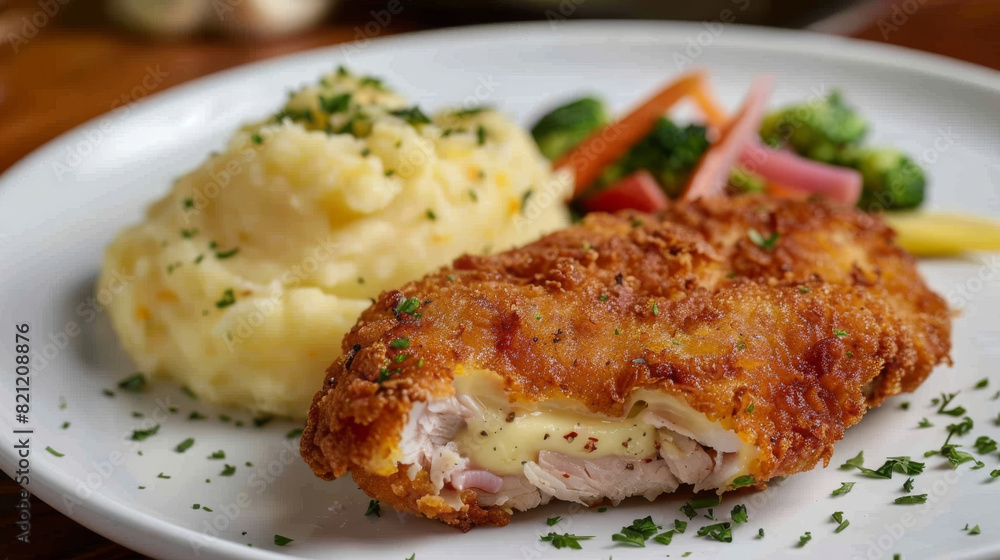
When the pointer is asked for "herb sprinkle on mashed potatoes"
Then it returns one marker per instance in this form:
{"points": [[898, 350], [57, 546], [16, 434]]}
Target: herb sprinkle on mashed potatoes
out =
{"points": [[249, 272]]}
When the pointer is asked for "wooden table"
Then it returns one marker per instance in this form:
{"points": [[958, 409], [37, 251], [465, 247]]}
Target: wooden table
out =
{"points": [[65, 76]]}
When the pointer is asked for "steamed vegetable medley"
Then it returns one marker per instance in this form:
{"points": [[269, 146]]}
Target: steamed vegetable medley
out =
{"points": [[812, 148]]}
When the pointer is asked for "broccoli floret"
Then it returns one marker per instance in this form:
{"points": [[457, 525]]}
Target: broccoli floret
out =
{"points": [[669, 153], [892, 181], [745, 181], [566, 126], [818, 130]]}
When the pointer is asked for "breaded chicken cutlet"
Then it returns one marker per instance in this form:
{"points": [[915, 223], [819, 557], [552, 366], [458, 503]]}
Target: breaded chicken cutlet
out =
{"points": [[723, 343]]}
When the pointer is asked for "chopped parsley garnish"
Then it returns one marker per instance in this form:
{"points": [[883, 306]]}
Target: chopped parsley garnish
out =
{"points": [[637, 533], [766, 243], [336, 103], [892, 464], [206, 508], [139, 435], [839, 333], [431, 215], [184, 445], [195, 415], [845, 487], [161, 475], [480, 135], [985, 444], [745, 480], [199, 258], [188, 203], [959, 429], [473, 195], [228, 298], [924, 423], [226, 254], [982, 383], [945, 400], [294, 433], [665, 537], [804, 539], [281, 541], [229, 470], [257, 139], [220, 454], [373, 509], [618, 331], [524, 200], [656, 309], [413, 115], [854, 463], [804, 289], [722, 532], [750, 409], [956, 457], [553, 520], [384, 374], [408, 305], [54, 452], [108, 392], [914, 499], [975, 530], [739, 513], [471, 111], [838, 516], [189, 233], [65, 425], [133, 383], [905, 405], [908, 485], [400, 343], [565, 540], [603, 297], [602, 509], [260, 421], [196, 506]]}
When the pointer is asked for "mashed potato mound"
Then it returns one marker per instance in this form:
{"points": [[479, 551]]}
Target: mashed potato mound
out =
{"points": [[250, 271]]}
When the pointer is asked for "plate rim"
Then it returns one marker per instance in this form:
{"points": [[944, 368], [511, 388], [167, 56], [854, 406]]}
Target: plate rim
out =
{"points": [[107, 516]]}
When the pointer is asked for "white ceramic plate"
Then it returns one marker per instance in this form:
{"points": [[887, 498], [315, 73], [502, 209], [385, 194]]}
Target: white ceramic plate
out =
{"points": [[62, 205]]}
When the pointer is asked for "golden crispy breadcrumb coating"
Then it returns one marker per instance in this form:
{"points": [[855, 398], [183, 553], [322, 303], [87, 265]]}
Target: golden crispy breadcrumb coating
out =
{"points": [[806, 310]]}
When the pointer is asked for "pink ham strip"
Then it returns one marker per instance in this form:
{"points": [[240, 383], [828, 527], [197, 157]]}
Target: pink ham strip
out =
{"points": [[712, 173], [484, 480], [795, 172]]}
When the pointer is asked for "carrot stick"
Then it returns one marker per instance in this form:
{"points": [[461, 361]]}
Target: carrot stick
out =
{"points": [[709, 105], [605, 146]]}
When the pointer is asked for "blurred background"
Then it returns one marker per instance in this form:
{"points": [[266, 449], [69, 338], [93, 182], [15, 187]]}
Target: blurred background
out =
{"points": [[63, 62]]}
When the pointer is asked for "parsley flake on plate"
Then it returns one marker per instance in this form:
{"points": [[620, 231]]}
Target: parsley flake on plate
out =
{"points": [[139, 435], [845, 487], [281, 541], [565, 540], [184, 445], [134, 383]]}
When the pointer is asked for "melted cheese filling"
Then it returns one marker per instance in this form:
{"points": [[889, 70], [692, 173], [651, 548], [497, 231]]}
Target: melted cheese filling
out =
{"points": [[507, 435]]}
